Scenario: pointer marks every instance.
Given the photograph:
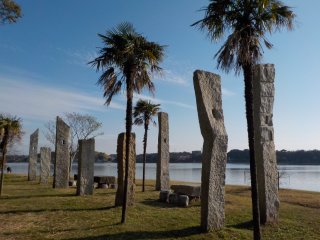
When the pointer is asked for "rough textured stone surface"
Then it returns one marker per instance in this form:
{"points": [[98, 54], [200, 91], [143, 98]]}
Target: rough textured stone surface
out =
{"points": [[263, 98], [183, 200], [121, 159], [72, 183], [103, 186], [61, 163], [45, 160], [33, 156], [214, 156], [105, 179], [173, 198], [164, 196], [86, 167], [191, 191], [163, 179]]}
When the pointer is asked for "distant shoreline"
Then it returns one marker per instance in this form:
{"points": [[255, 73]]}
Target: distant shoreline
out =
{"points": [[235, 156]]}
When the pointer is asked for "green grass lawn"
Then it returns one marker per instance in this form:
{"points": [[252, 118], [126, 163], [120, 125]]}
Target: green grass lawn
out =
{"points": [[32, 211]]}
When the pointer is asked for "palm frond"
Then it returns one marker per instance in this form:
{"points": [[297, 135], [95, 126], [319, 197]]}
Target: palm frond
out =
{"points": [[247, 22], [10, 128], [126, 56], [144, 111], [138, 121]]}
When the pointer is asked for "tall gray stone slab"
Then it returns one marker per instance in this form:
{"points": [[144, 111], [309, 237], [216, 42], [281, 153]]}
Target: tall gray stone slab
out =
{"points": [[33, 156], [265, 155], [214, 156], [163, 179], [61, 163], [45, 160], [86, 167], [121, 159]]}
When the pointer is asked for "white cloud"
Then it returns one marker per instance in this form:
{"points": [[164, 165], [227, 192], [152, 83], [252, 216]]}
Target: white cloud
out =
{"points": [[182, 75], [161, 101], [78, 57], [31, 100], [174, 78], [181, 79]]}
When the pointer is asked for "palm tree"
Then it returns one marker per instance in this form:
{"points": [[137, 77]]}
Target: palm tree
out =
{"points": [[127, 58], [10, 130], [143, 113], [248, 22], [9, 11]]}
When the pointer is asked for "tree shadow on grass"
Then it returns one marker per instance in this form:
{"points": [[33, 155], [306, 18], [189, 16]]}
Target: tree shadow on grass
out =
{"points": [[244, 225], [241, 191], [142, 235], [56, 210], [104, 193], [156, 203], [37, 196], [49, 195]]}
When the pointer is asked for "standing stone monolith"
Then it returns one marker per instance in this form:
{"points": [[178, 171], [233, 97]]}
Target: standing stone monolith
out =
{"points": [[265, 155], [45, 160], [33, 156], [85, 167], [163, 179], [61, 162], [121, 159], [207, 88]]}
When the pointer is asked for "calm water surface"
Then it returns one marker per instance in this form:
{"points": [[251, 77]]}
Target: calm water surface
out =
{"points": [[302, 177]]}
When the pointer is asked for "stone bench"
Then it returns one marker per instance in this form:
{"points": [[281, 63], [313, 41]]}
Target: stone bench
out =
{"points": [[182, 194], [173, 198], [192, 191], [110, 181]]}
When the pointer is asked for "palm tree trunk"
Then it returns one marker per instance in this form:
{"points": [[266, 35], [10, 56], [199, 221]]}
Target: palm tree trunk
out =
{"points": [[2, 169], [128, 140], [248, 81], [145, 138]]}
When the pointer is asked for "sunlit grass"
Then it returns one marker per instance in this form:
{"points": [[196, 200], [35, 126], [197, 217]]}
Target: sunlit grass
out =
{"points": [[32, 211]]}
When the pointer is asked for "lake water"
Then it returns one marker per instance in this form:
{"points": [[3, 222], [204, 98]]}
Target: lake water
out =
{"points": [[304, 177]]}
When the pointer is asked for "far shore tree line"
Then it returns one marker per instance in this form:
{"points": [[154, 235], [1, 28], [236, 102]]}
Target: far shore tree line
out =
{"points": [[284, 157]]}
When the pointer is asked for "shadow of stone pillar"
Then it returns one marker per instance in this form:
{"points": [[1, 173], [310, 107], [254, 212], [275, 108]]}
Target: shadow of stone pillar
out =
{"points": [[61, 163], [121, 163], [214, 154], [85, 167], [45, 160], [33, 156], [163, 179], [267, 173]]}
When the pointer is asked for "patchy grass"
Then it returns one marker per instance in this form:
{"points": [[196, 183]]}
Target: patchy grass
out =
{"points": [[32, 211]]}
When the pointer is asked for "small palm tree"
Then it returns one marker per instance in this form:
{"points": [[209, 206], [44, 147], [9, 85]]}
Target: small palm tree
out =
{"points": [[248, 22], [127, 59], [143, 113], [10, 130]]}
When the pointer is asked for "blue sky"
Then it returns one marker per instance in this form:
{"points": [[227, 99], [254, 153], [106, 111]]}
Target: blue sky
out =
{"points": [[43, 71]]}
